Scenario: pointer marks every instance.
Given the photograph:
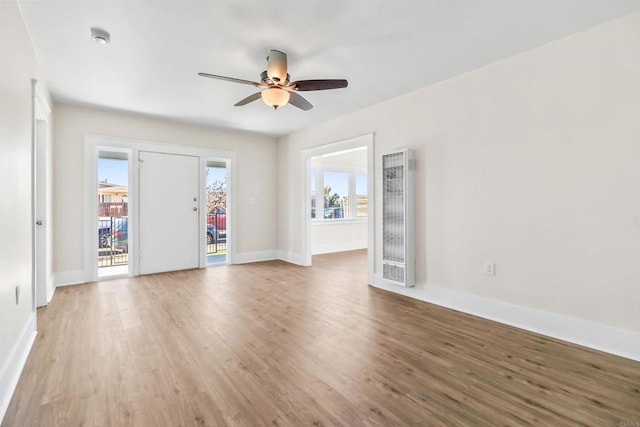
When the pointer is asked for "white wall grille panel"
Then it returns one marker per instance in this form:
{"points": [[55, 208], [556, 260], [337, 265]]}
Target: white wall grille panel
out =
{"points": [[397, 219]]}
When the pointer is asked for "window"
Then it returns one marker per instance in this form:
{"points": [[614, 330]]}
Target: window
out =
{"points": [[344, 194], [336, 193], [361, 195]]}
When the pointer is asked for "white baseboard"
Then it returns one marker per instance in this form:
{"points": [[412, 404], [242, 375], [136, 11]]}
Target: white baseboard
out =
{"points": [[246, 257], [328, 248], [66, 278], [52, 290], [12, 368], [612, 340], [292, 258]]}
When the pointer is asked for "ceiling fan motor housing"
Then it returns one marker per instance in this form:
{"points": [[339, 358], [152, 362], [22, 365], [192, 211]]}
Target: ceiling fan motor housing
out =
{"points": [[266, 80], [277, 66]]}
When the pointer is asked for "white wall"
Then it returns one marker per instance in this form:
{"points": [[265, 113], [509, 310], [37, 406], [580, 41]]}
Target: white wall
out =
{"points": [[256, 176], [532, 163], [18, 66], [339, 235]]}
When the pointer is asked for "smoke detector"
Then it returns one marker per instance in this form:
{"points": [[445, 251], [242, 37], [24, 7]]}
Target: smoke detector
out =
{"points": [[100, 36]]}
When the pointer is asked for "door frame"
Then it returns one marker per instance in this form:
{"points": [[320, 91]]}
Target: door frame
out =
{"points": [[94, 142], [203, 196], [347, 144], [41, 212], [132, 202]]}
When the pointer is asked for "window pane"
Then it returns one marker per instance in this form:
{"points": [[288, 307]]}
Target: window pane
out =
{"points": [[312, 179], [336, 190], [361, 195]]}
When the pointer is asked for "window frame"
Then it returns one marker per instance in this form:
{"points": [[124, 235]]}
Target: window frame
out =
{"points": [[352, 196]]}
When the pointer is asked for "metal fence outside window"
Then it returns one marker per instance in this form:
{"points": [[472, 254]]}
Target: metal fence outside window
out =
{"points": [[216, 233], [113, 242]]}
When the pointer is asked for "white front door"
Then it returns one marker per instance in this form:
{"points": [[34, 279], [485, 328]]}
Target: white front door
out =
{"points": [[169, 218]]}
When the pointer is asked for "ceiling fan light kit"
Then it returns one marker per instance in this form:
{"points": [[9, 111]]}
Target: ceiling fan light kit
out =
{"points": [[275, 97], [278, 89]]}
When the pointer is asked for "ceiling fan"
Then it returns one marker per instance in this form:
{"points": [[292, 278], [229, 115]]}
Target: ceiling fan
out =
{"points": [[278, 90]]}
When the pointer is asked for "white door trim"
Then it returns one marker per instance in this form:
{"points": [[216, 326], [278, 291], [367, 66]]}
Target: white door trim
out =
{"points": [[132, 206], [348, 144], [230, 168], [42, 286], [95, 142]]}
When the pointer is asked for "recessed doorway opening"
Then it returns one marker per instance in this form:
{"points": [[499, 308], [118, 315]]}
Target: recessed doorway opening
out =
{"points": [[339, 199], [113, 213], [216, 224]]}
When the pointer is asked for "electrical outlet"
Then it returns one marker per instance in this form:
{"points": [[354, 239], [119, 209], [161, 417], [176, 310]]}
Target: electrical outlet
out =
{"points": [[17, 294], [490, 268]]}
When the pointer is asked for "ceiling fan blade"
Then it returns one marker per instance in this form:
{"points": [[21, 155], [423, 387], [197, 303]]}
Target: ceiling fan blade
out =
{"points": [[298, 101], [229, 79], [304, 85], [248, 99]]}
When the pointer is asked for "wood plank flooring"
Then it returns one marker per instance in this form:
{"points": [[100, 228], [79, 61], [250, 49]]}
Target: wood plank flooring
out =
{"points": [[276, 344]]}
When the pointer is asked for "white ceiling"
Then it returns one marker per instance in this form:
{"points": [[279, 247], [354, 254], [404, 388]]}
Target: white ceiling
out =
{"points": [[384, 48], [354, 160]]}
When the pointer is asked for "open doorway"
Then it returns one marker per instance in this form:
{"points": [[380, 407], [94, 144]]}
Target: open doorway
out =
{"points": [[113, 213], [338, 207], [216, 224], [339, 201]]}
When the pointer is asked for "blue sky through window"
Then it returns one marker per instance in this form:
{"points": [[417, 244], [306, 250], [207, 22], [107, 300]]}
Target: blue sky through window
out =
{"points": [[114, 171], [338, 181], [216, 174]]}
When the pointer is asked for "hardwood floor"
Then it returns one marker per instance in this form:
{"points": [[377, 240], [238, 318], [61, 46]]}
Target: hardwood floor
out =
{"points": [[276, 344]]}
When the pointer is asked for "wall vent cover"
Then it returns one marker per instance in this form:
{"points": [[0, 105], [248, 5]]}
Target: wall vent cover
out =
{"points": [[397, 218]]}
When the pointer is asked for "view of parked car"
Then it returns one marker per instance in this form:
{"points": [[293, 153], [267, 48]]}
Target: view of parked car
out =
{"points": [[113, 233], [218, 218], [212, 235], [120, 235], [216, 225], [104, 232]]}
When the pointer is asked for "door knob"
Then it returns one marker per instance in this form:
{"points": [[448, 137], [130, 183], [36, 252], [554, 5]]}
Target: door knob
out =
{"points": [[195, 209], [39, 222]]}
